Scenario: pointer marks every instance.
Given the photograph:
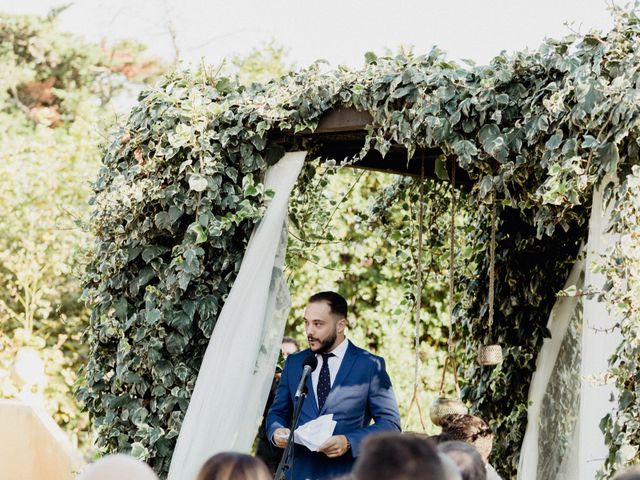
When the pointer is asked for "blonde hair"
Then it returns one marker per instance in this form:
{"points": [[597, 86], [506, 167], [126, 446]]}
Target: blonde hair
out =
{"points": [[118, 466], [234, 466]]}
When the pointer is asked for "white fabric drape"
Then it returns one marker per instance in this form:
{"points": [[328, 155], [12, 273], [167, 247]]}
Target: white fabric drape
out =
{"points": [[600, 337], [552, 372], [237, 369], [568, 395]]}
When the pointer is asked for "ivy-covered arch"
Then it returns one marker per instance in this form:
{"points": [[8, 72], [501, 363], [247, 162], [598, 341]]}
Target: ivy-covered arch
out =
{"points": [[179, 193]]}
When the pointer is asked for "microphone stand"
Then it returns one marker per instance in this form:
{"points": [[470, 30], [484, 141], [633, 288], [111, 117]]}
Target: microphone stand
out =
{"points": [[287, 456]]}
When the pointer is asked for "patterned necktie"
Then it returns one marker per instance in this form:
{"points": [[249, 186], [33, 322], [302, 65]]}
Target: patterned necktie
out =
{"points": [[324, 380]]}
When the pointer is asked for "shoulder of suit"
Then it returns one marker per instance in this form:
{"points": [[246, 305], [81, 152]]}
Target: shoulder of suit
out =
{"points": [[367, 356]]}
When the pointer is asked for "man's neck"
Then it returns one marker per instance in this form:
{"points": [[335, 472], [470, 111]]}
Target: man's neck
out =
{"points": [[337, 343]]}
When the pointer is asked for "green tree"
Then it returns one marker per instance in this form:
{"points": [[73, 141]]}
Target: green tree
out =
{"points": [[52, 122], [261, 64]]}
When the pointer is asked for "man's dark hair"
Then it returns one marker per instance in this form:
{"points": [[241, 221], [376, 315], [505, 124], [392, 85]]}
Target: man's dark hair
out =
{"points": [[337, 303], [467, 458], [399, 456]]}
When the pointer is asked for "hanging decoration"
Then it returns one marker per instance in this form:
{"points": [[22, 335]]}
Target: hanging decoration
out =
{"points": [[415, 400], [443, 405], [491, 354]]}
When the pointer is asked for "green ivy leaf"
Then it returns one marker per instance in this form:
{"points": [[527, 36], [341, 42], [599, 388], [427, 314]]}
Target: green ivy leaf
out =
{"points": [[201, 234], [441, 170], [152, 316], [609, 156], [139, 451], [224, 85], [153, 251], [502, 99], [197, 183], [590, 142], [486, 186], [555, 140]]}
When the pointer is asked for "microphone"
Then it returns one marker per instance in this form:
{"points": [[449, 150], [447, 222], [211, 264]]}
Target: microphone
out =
{"points": [[308, 365]]}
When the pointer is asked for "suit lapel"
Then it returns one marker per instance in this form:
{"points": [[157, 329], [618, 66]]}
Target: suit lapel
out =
{"points": [[345, 367], [311, 396]]}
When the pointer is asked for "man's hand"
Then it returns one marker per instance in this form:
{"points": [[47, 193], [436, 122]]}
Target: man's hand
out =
{"points": [[336, 446], [280, 437]]}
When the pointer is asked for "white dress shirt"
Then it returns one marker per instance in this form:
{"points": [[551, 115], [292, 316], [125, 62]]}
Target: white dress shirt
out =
{"points": [[334, 365]]}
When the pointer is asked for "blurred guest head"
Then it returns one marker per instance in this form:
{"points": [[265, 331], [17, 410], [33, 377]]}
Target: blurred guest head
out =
{"points": [[467, 459], [632, 473], [401, 457], [118, 467], [451, 470], [469, 429], [234, 466], [288, 346], [438, 439]]}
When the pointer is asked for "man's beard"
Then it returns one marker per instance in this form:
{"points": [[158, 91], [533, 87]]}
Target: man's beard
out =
{"points": [[325, 345]]}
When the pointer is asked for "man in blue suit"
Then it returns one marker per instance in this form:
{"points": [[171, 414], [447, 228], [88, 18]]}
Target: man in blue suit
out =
{"points": [[348, 382]]}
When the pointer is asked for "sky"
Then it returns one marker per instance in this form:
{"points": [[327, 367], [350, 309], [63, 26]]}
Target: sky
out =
{"points": [[340, 32]]}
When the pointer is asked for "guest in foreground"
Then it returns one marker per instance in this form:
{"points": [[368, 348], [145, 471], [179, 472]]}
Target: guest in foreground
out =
{"points": [[467, 458], [348, 382], [473, 430], [451, 470], [234, 466], [390, 455], [118, 467]]}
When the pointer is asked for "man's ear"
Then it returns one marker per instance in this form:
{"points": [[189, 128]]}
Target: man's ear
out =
{"points": [[342, 324]]}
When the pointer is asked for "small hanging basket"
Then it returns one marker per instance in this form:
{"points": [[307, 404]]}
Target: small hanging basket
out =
{"points": [[443, 405], [490, 354]]}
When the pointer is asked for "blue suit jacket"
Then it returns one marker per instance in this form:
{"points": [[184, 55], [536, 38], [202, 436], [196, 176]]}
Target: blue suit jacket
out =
{"points": [[361, 392]]}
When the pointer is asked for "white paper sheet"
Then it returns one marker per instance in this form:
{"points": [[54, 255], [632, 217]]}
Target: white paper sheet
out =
{"points": [[314, 433]]}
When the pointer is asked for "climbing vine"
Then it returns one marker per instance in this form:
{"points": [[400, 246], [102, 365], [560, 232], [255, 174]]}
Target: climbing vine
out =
{"points": [[621, 267], [179, 193]]}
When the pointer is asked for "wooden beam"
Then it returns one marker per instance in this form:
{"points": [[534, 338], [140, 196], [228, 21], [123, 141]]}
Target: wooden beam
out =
{"points": [[344, 120], [340, 136]]}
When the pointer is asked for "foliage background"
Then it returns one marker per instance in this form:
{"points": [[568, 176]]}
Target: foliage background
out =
{"points": [[54, 113], [178, 192]]}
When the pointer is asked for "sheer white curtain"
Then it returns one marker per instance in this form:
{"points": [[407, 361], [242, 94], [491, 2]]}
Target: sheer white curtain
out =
{"points": [[550, 430], [237, 368], [600, 337], [568, 395]]}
